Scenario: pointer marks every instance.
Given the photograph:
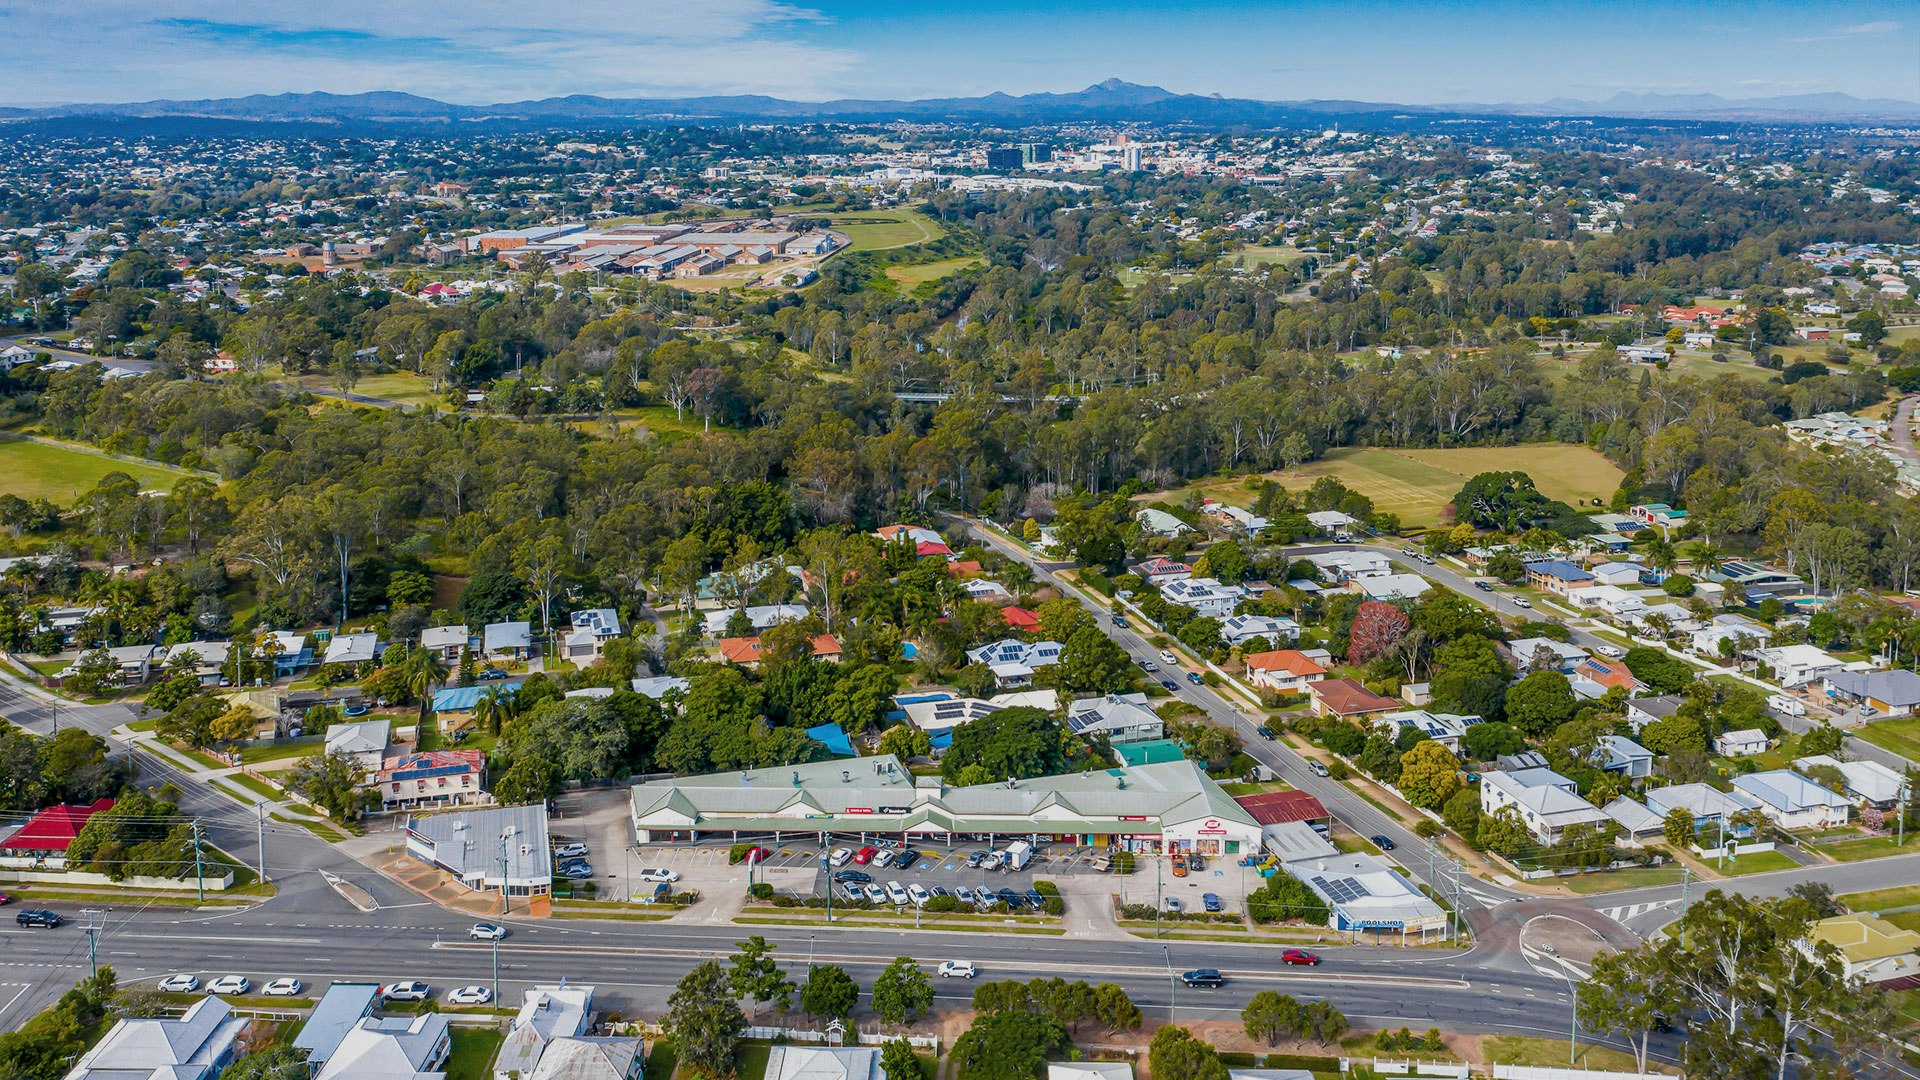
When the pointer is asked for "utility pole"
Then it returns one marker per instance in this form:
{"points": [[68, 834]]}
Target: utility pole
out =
{"points": [[1172, 984], [1157, 900], [496, 969], [93, 931], [506, 901], [199, 878], [1686, 879], [261, 809], [825, 868]]}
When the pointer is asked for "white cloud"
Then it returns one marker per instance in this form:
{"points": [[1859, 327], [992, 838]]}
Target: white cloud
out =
{"points": [[478, 51], [1884, 26]]}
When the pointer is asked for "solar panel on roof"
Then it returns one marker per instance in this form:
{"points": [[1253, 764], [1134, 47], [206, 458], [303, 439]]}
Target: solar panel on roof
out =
{"points": [[1343, 890]]}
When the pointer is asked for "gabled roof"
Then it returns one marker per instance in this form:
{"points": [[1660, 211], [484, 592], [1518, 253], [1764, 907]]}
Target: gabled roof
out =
{"points": [[1787, 791], [1898, 687], [55, 828], [1348, 698], [588, 1058], [1291, 661]]}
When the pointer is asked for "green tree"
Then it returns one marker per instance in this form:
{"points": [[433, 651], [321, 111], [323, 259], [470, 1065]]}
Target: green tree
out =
{"points": [[899, 1062], [1176, 1052], [1503, 831], [902, 993], [1678, 828], [1487, 741], [1011, 1045], [1271, 1016], [332, 782], [1540, 702], [1659, 669], [1462, 812], [1429, 775], [704, 1020], [271, 1063], [829, 993], [1012, 743], [1114, 1009], [1090, 663], [1821, 738], [754, 975]]}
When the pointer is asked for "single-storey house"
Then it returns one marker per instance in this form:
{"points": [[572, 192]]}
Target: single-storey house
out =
{"points": [[1617, 754], [1891, 693], [745, 651], [1619, 574], [1283, 671], [1869, 783], [43, 841], [759, 616], [1798, 665], [1709, 805], [1638, 825], [1344, 566], [1548, 803], [197, 1045], [1122, 718], [400, 1046], [1642, 711], [1392, 586], [1742, 743], [352, 649], [364, 742], [1160, 523], [1443, 728], [1545, 654], [1608, 673], [1794, 802], [1331, 522], [506, 640], [1347, 699], [1020, 619], [448, 641]]}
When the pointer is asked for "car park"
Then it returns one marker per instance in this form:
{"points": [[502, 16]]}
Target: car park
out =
{"points": [[865, 855], [906, 859], [1382, 841], [1207, 978], [405, 991], [180, 984], [1210, 902], [486, 931], [875, 893], [882, 860], [918, 894], [39, 917], [858, 877], [469, 995], [958, 969], [840, 857], [1299, 958], [572, 850], [897, 894], [282, 988], [230, 984], [654, 873], [1319, 768]]}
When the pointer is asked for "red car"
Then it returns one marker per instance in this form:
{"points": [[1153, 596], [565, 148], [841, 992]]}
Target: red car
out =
{"points": [[1299, 956], [865, 855], [5, 899], [757, 855]]}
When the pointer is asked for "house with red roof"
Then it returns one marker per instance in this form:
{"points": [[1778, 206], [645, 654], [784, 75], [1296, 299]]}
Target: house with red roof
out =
{"points": [[1348, 700], [44, 839], [1019, 618], [1283, 671], [745, 651], [925, 541]]}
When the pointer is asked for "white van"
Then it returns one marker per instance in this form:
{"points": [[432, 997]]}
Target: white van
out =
{"points": [[1018, 855], [1781, 703]]}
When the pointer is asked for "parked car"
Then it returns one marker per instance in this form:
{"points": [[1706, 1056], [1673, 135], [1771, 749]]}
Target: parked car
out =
{"points": [[865, 855], [1299, 958], [493, 673], [180, 984], [405, 991], [1009, 898], [839, 857], [1174, 905], [1208, 978], [882, 860], [230, 984], [756, 855], [1210, 902], [941, 890], [918, 894], [906, 859], [654, 873], [1611, 652], [993, 861], [897, 893], [39, 917], [486, 931], [965, 894], [1120, 622], [876, 894], [1319, 768], [1179, 865], [469, 995], [1381, 841], [974, 859], [853, 890], [282, 988], [958, 969], [858, 877], [5, 899], [571, 850], [577, 871], [1034, 899]]}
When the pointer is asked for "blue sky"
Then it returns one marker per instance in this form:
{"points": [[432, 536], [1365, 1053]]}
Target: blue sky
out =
{"points": [[1419, 51]]}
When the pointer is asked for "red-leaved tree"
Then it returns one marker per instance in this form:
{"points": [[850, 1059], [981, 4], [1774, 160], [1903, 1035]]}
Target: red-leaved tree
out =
{"points": [[1376, 627]]}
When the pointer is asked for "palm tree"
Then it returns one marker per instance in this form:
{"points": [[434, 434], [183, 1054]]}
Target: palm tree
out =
{"points": [[422, 671], [494, 709]]}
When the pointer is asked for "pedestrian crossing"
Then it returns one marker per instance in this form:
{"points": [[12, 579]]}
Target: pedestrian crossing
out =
{"points": [[1634, 911]]}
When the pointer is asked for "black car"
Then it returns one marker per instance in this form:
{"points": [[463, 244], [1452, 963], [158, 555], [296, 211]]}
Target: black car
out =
{"points": [[1483, 586], [1207, 977], [1035, 900], [1382, 842], [1009, 898], [906, 859], [38, 917], [1266, 732], [858, 876], [1169, 684]]}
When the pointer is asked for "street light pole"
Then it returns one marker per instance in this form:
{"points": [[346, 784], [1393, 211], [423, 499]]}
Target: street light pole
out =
{"points": [[825, 863], [1573, 1022], [496, 969], [1173, 991]]}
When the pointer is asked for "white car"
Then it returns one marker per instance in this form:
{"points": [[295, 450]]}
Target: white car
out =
{"points": [[568, 851], [992, 861], [896, 893], [405, 991], [654, 873], [958, 969], [229, 984], [840, 856], [883, 859], [1611, 652], [180, 984], [469, 995], [876, 894], [919, 894], [1521, 601], [281, 988], [486, 931], [1167, 657]]}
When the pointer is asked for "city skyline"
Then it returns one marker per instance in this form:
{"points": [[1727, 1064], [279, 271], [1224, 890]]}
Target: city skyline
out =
{"points": [[1387, 50]]}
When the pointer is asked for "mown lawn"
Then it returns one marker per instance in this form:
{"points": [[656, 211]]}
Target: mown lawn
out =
{"points": [[1882, 899], [1552, 1054], [1760, 862], [880, 230], [35, 470], [1900, 736], [1639, 877], [1873, 847], [914, 276], [473, 1050]]}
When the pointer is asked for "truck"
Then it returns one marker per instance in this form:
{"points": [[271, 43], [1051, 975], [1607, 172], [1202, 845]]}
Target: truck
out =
{"points": [[1018, 855]]}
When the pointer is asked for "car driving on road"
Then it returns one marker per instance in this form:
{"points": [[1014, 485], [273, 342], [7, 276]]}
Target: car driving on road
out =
{"points": [[39, 917], [1204, 977], [1299, 958], [486, 931], [1382, 841], [958, 969]]}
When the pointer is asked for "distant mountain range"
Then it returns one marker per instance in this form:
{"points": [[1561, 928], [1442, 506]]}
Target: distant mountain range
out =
{"points": [[1109, 101]]}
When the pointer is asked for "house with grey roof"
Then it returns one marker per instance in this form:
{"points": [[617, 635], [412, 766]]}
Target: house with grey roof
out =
{"points": [[546, 1013], [592, 1057], [1548, 802], [1638, 824], [589, 634], [391, 1048], [1868, 783], [796, 1062], [197, 1045], [1121, 718], [1794, 802], [1278, 631], [1709, 806], [339, 1011], [351, 649], [506, 640], [448, 641], [1890, 693], [364, 741], [1621, 755]]}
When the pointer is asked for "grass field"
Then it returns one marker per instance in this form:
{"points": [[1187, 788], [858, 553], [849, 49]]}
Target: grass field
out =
{"points": [[471, 1057], [1872, 847], [915, 276], [1642, 877], [1900, 736], [1418, 484], [1760, 862], [1882, 899], [880, 230], [1552, 1053], [34, 470], [1253, 255]]}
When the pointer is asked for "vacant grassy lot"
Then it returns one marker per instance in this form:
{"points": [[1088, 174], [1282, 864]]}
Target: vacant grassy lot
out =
{"points": [[1253, 255], [471, 1057], [1552, 1053], [1418, 484], [879, 230], [34, 470], [1760, 862], [1640, 877], [913, 277], [1900, 736], [1882, 899]]}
